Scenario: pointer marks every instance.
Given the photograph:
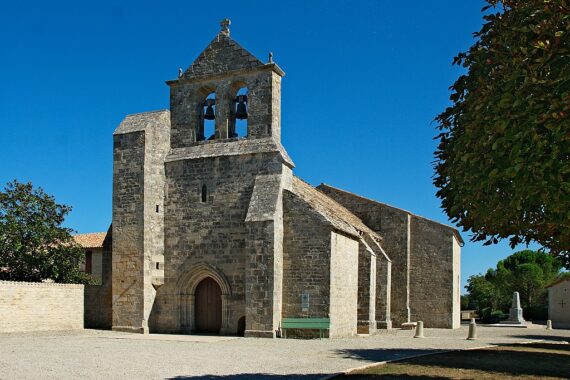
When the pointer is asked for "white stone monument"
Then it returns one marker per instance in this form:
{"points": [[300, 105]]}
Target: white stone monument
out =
{"points": [[516, 312]]}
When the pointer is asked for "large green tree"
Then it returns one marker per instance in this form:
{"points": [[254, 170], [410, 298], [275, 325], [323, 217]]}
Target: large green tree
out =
{"points": [[527, 272], [33, 244], [502, 166]]}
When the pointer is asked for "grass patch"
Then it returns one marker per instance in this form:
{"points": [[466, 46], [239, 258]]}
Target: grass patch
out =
{"points": [[521, 361]]}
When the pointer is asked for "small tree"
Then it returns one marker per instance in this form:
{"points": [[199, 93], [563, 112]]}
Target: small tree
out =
{"points": [[464, 302], [482, 294], [503, 162], [527, 272], [33, 244]]}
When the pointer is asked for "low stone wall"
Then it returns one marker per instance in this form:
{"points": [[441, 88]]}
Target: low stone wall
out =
{"points": [[98, 309], [34, 306]]}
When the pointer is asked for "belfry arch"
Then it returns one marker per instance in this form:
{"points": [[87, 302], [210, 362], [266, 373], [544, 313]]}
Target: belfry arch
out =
{"points": [[206, 114], [186, 294], [238, 101]]}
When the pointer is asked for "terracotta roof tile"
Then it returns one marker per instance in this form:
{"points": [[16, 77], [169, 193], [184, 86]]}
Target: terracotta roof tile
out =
{"points": [[92, 240]]}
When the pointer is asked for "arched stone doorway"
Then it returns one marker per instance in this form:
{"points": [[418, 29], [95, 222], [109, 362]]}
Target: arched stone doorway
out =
{"points": [[208, 306], [187, 286]]}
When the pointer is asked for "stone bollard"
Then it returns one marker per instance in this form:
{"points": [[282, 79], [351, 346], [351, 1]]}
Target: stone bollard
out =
{"points": [[549, 325], [472, 330], [419, 330]]}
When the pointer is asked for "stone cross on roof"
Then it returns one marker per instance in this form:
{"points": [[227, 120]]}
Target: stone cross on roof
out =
{"points": [[225, 26]]}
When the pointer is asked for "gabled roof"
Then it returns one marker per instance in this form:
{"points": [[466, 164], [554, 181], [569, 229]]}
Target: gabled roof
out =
{"points": [[223, 54], [326, 187], [91, 240], [337, 215]]}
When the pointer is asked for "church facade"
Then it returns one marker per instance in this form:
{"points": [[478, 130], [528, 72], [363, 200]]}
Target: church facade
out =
{"points": [[212, 231]]}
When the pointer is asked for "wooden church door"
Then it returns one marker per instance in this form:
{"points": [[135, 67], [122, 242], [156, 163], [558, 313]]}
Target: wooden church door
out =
{"points": [[208, 306]]}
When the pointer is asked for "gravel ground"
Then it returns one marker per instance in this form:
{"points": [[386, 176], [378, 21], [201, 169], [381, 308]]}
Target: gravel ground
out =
{"points": [[93, 354]]}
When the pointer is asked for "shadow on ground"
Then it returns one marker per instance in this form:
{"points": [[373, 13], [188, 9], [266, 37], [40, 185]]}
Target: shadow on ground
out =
{"points": [[254, 376], [534, 359], [398, 376], [553, 338], [383, 354]]}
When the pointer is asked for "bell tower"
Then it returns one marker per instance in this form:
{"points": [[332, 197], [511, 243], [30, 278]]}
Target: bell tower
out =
{"points": [[225, 87], [225, 174]]}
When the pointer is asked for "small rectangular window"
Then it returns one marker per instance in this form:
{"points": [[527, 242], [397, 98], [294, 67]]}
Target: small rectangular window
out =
{"points": [[157, 265], [157, 208], [88, 262]]}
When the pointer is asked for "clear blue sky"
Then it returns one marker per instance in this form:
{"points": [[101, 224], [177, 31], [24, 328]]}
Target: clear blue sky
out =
{"points": [[363, 82]]}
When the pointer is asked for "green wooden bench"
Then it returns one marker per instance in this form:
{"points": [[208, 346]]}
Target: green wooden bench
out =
{"points": [[305, 324]]}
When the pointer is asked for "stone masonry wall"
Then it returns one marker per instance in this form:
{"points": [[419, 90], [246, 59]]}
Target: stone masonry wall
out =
{"points": [[156, 147], [98, 312], [210, 233], [434, 293], [383, 293], [558, 300], [306, 259], [264, 255], [456, 283], [98, 298], [260, 275], [141, 143], [128, 232], [27, 306], [366, 289], [344, 286], [392, 225], [425, 260]]}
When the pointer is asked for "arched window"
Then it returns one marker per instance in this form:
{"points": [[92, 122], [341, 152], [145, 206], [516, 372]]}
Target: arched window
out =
{"points": [[207, 127], [204, 195], [237, 127]]}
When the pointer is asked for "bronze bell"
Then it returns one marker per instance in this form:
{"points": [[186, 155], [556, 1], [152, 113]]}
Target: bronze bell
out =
{"points": [[209, 115], [241, 112]]}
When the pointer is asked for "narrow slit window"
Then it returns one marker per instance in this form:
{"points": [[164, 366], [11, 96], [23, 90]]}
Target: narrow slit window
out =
{"points": [[157, 265], [157, 208], [204, 193]]}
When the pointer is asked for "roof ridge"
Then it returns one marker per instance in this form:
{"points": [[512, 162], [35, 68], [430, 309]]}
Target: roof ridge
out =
{"points": [[345, 215], [387, 205], [558, 281], [235, 57]]}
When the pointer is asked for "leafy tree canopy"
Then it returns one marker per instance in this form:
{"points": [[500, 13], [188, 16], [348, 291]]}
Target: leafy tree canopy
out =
{"points": [[502, 166], [33, 244], [527, 272]]}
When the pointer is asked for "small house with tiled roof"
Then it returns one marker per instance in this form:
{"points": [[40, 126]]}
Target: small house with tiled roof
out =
{"points": [[92, 243], [213, 233]]}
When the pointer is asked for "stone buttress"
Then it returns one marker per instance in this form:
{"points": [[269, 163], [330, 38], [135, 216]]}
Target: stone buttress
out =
{"points": [[140, 144]]}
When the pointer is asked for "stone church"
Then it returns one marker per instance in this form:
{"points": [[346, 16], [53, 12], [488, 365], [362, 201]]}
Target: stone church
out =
{"points": [[212, 232]]}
